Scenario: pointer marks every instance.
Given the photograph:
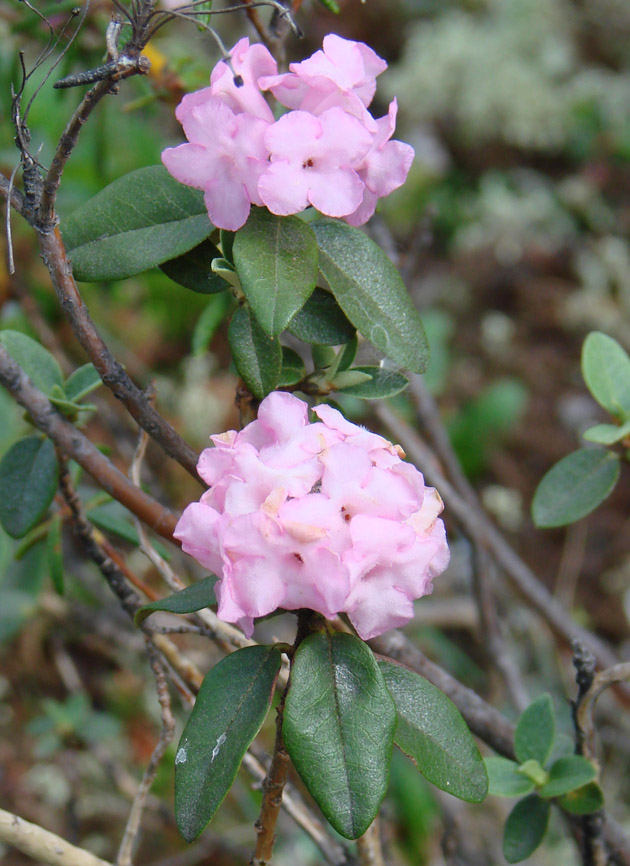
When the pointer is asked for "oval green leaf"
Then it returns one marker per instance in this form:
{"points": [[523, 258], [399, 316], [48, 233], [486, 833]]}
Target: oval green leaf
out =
{"points": [[574, 487], [505, 780], [82, 382], [230, 709], [38, 364], [432, 732], [338, 728], [293, 368], [321, 320], [567, 774], [607, 434], [137, 222], [258, 358], [276, 261], [535, 732], [606, 371], [193, 270], [28, 480], [383, 383], [371, 293], [525, 828], [583, 801], [193, 598]]}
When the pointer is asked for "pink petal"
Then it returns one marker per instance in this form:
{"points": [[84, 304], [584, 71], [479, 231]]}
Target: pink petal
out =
{"points": [[283, 188]]}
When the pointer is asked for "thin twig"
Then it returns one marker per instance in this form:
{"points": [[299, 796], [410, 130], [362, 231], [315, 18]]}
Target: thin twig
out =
{"points": [[369, 846], [43, 846]]}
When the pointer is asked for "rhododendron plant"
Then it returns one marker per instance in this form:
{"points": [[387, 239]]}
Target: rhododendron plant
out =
{"points": [[322, 515]]}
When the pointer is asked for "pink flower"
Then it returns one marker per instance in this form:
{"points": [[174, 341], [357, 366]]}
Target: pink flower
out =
{"points": [[320, 515], [251, 62], [311, 163]]}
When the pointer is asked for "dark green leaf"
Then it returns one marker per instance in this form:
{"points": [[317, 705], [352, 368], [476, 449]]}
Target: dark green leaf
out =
{"points": [[567, 774], [258, 358], [112, 517], [321, 320], [82, 382], [293, 369], [209, 321], [227, 244], [583, 801], [606, 371], [54, 554], [195, 597], [383, 383], [575, 486], [137, 222], [348, 354], [37, 362], [505, 780], [323, 356], [193, 270], [276, 261], [607, 434], [28, 481], [536, 731], [230, 708], [339, 722], [525, 827], [371, 293], [432, 732]]}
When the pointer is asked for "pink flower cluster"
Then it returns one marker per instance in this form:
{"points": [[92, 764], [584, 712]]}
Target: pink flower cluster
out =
{"points": [[328, 151], [321, 515]]}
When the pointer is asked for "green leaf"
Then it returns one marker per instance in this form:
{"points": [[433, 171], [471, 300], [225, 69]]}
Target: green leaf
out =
{"points": [[349, 379], [607, 434], [209, 321], [371, 293], [258, 358], [276, 261], [293, 368], [195, 597], [112, 517], [193, 270], [536, 731], [321, 320], [347, 354], [28, 480], [137, 222], [230, 708], [382, 383], [323, 356], [82, 382], [54, 554], [606, 371], [339, 722], [505, 779], [58, 398], [227, 244], [331, 5], [575, 486], [583, 801], [37, 362], [432, 732], [567, 774], [525, 828]]}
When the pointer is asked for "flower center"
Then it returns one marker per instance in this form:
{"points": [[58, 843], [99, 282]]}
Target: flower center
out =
{"points": [[308, 163]]}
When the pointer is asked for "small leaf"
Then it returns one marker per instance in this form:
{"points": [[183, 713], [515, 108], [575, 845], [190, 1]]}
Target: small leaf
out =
{"points": [[371, 293], [606, 371], [258, 358], [82, 382], [193, 270], [28, 481], [575, 486], [58, 398], [197, 596], [607, 434], [567, 774], [323, 356], [209, 321], [584, 800], [525, 828], [536, 731], [112, 517], [339, 722], [505, 779], [293, 368], [227, 244], [54, 554], [321, 320], [348, 354], [350, 379], [230, 709], [38, 364], [432, 732], [381, 383], [137, 222], [276, 261]]}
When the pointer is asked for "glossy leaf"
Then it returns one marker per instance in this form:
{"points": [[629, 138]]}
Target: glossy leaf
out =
{"points": [[432, 732], [28, 481], [293, 369], [575, 486], [607, 434], [258, 358], [38, 364], [54, 554], [339, 722], [193, 270], [197, 596], [382, 383], [583, 801], [276, 261], [536, 731], [606, 371], [567, 774], [230, 708], [525, 828], [505, 780], [371, 293], [82, 382], [321, 320], [137, 222]]}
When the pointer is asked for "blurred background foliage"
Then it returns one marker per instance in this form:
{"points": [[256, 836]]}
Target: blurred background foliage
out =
{"points": [[512, 234]]}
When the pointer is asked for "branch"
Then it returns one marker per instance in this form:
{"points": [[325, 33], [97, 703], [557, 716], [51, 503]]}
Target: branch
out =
{"points": [[43, 845], [369, 846]]}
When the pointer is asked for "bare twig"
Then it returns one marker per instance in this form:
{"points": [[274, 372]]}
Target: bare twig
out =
{"points": [[43, 846], [369, 846]]}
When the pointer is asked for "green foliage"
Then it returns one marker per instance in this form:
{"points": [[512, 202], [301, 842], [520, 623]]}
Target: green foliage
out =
{"points": [[338, 728], [193, 269], [432, 732], [37, 362], [567, 774], [28, 481], [536, 731], [607, 434], [54, 554], [137, 222], [82, 382], [228, 713], [293, 368], [276, 261], [73, 718], [112, 517], [257, 357], [195, 597], [381, 383], [321, 320], [525, 828], [505, 780], [583, 801], [606, 371]]}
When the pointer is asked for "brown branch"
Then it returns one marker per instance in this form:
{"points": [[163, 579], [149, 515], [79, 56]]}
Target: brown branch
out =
{"points": [[369, 846], [43, 846], [76, 445]]}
